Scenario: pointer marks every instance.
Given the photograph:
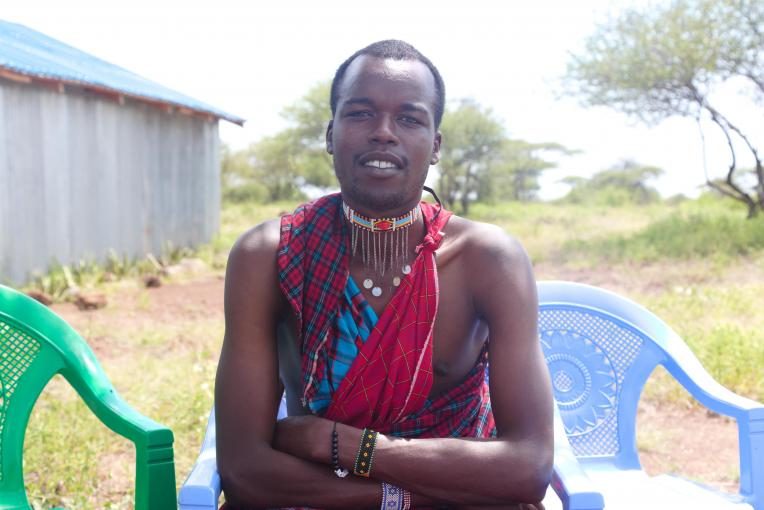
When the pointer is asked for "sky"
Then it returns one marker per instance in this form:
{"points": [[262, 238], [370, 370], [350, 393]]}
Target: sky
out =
{"points": [[253, 58]]}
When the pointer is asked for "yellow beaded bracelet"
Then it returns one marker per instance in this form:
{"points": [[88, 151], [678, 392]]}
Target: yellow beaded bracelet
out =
{"points": [[365, 454]]}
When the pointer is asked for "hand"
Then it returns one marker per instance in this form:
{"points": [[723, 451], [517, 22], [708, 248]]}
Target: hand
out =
{"points": [[307, 437]]}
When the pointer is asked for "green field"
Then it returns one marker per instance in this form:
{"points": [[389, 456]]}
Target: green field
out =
{"points": [[697, 264]]}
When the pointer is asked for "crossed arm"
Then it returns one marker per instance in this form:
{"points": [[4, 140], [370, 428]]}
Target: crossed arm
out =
{"points": [[264, 463]]}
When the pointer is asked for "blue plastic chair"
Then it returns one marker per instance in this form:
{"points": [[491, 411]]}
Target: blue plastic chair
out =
{"points": [[600, 349]]}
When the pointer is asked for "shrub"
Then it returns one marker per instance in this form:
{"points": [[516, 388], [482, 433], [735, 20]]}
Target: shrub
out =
{"points": [[697, 235]]}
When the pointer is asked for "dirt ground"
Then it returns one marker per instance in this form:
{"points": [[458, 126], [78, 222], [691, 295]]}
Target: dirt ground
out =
{"points": [[686, 441]]}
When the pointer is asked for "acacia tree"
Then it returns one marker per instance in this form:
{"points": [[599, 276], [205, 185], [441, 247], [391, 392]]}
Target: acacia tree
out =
{"points": [[283, 163], [627, 181], [516, 174], [479, 162], [667, 60], [472, 137]]}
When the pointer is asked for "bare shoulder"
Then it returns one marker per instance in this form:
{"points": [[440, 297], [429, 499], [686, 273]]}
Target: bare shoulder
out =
{"points": [[251, 273], [259, 241], [497, 268], [254, 253], [484, 243]]}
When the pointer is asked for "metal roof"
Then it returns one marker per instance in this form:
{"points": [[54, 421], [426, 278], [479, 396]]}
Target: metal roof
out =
{"points": [[31, 53]]}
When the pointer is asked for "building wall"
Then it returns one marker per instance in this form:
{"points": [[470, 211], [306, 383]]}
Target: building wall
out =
{"points": [[81, 175]]}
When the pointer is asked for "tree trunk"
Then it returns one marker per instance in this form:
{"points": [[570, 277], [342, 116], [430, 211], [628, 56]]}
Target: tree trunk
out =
{"points": [[737, 193], [465, 199]]}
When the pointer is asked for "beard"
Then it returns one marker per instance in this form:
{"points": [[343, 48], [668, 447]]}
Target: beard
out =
{"points": [[377, 200], [372, 199]]}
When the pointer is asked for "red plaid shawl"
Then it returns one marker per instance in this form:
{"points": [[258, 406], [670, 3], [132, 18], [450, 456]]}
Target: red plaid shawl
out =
{"points": [[387, 387]]}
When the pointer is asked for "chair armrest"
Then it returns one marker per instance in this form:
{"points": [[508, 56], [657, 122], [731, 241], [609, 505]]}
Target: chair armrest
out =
{"points": [[751, 447], [685, 367], [201, 490], [154, 456], [569, 481], [123, 419]]}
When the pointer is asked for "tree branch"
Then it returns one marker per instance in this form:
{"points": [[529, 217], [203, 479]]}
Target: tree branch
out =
{"points": [[739, 193]]}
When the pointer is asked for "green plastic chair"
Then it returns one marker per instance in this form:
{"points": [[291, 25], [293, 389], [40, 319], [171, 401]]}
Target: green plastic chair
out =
{"points": [[35, 345]]}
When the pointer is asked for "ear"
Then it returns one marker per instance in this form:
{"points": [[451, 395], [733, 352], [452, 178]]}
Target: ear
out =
{"points": [[329, 128], [436, 149]]}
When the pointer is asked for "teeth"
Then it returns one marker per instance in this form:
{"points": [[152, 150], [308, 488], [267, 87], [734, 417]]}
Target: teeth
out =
{"points": [[380, 164]]}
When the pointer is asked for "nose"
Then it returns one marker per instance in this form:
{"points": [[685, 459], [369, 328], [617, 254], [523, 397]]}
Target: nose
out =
{"points": [[384, 131]]}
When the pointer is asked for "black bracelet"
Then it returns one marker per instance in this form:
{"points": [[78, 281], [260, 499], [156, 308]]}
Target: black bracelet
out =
{"points": [[365, 455], [339, 471]]}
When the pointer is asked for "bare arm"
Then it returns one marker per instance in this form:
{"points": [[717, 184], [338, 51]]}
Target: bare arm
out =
{"points": [[247, 392], [516, 466]]}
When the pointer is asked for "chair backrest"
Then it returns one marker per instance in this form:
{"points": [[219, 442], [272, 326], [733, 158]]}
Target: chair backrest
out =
{"points": [[35, 345], [600, 349]]}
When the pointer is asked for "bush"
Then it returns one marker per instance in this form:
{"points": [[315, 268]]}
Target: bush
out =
{"points": [[696, 235], [250, 192]]}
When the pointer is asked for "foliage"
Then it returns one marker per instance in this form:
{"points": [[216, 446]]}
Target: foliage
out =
{"points": [[480, 163], [708, 317], [679, 236], [624, 183], [516, 174], [249, 191], [472, 137], [664, 60], [278, 167]]}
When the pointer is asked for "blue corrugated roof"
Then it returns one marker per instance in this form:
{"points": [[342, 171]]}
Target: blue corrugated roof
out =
{"points": [[28, 52]]}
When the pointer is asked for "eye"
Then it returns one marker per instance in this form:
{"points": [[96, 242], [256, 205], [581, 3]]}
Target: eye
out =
{"points": [[359, 114], [408, 119], [412, 120]]}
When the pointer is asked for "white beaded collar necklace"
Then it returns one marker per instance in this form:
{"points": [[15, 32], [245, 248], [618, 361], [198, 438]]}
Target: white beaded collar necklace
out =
{"points": [[384, 245]]}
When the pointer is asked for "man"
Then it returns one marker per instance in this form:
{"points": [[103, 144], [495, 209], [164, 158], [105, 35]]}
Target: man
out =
{"points": [[343, 305]]}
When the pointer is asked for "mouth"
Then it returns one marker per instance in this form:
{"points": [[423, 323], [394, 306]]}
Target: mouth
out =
{"points": [[381, 161], [376, 163]]}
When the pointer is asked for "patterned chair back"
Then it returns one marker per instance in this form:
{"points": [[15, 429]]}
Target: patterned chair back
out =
{"points": [[598, 362]]}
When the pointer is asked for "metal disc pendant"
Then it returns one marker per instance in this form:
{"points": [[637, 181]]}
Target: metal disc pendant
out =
{"points": [[397, 281], [376, 292], [406, 269], [367, 283]]}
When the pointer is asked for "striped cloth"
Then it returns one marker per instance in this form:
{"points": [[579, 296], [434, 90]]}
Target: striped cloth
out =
{"points": [[355, 321], [387, 386]]}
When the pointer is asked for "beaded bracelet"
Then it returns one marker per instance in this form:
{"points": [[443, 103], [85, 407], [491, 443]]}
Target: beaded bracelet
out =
{"points": [[365, 454], [395, 498], [339, 471]]}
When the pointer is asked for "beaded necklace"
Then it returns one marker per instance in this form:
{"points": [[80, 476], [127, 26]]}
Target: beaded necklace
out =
{"points": [[384, 245]]}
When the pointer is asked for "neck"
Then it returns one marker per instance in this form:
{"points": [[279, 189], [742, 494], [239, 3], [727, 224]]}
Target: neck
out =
{"points": [[369, 210], [383, 246], [377, 224]]}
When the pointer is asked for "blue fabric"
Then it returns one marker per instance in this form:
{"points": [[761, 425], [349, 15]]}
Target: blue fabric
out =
{"points": [[355, 320]]}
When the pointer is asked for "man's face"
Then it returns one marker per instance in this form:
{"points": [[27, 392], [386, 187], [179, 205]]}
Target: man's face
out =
{"points": [[383, 135]]}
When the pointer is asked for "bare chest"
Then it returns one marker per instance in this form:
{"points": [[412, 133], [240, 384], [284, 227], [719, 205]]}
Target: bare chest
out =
{"points": [[459, 334]]}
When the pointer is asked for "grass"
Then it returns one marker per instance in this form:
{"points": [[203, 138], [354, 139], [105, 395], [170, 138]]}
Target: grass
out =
{"points": [[89, 273], [722, 325], [164, 370], [698, 265], [684, 236]]}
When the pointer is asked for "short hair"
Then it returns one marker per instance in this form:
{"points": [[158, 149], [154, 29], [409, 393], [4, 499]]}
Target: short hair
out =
{"points": [[396, 50]]}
